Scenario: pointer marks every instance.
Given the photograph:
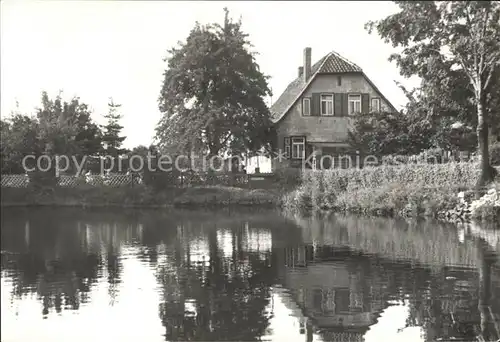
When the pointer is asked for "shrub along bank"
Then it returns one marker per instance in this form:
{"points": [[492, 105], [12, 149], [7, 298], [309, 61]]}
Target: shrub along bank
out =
{"points": [[407, 190]]}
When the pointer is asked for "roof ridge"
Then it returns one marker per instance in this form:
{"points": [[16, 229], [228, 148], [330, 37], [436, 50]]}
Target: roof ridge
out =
{"points": [[331, 62], [345, 59], [306, 85], [320, 66]]}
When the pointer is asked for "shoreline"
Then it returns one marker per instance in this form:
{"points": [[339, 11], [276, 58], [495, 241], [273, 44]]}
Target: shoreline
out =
{"points": [[197, 197], [381, 213], [209, 197]]}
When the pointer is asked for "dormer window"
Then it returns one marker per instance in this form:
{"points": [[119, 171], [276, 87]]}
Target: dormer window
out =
{"points": [[306, 106]]}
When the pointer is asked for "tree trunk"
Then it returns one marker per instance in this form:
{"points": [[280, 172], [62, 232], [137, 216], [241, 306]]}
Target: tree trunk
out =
{"points": [[487, 172], [486, 260]]}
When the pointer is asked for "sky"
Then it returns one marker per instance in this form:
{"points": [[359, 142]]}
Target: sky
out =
{"points": [[102, 49]]}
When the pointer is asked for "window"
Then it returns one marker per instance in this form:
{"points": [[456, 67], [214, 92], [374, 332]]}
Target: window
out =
{"points": [[354, 104], [326, 104], [375, 105], [301, 256], [339, 80], [298, 148], [287, 147], [342, 300], [317, 299], [329, 301], [306, 106]]}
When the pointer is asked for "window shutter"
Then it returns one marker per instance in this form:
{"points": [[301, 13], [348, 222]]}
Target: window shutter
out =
{"points": [[345, 104], [365, 103], [315, 104], [308, 149], [338, 104], [285, 145]]}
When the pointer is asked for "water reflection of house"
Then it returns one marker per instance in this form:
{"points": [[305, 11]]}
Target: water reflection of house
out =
{"points": [[331, 291]]}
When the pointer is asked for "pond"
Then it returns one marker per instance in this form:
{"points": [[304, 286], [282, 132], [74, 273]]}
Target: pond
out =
{"points": [[127, 275]]}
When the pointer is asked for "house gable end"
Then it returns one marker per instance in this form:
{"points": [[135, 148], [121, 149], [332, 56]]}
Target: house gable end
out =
{"points": [[332, 64]]}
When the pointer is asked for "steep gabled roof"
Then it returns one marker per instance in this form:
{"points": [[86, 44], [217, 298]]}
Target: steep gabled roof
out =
{"points": [[329, 64]]}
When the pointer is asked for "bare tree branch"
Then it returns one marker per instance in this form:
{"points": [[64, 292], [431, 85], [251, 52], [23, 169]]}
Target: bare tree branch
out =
{"points": [[482, 43], [471, 34], [473, 81], [223, 142]]}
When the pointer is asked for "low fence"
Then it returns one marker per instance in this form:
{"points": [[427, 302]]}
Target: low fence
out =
{"points": [[70, 181], [120, 180]]}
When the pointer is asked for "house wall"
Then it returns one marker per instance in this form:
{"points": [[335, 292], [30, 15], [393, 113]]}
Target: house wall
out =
{"points": [[320, 128], [329, 280]]}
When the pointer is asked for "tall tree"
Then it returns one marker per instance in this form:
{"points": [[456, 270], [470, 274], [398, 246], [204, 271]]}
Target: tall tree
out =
{"points": [[213, 92], [112, 137], [19, 139], [385, 133], [59, 128], [67, 127], [442, 38]]}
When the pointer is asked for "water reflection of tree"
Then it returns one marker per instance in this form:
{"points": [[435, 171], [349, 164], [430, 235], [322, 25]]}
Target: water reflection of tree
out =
{"points": [[456, 302], [447, 284], [228, 294], [65, 254], [53, 264], [489, 295]]}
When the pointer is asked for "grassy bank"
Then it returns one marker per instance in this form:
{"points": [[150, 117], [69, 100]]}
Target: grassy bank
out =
{"points": [[139, 196], [406, 190], [226, 196]]}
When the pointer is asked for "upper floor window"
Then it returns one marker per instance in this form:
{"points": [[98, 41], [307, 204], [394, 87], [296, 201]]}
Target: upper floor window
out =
{"points": [[306, 106], [326, 104], [298, 147], [375, 105], [354, 104]]}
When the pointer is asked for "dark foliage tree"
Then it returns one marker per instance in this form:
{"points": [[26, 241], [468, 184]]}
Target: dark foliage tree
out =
{"points": [[385, 133], [59, 128], [112, 138], [212, 98], [447, 41]]}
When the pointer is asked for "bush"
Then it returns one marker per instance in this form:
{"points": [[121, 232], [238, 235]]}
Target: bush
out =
{"points": [[414, 189], [298, 199], [456, 175], [159, 180], [487, 213], [397, 199], [42, 180], [495, 154], [288, 178]]}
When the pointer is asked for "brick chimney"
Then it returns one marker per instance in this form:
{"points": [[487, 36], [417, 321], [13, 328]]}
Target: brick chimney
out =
{"points": [[307, 64], [301, 70]]}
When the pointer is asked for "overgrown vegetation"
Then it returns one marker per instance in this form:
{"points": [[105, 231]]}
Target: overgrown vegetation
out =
{"points": [[59, 128], [226, 196], [452, 46], [408, 190]]}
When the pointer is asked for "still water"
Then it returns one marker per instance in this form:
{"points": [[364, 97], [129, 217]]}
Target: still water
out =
{"points": [[74, 275]]}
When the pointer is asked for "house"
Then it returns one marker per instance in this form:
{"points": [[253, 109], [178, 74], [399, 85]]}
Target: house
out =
{"points": [[330, 285], [313, 115]]}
